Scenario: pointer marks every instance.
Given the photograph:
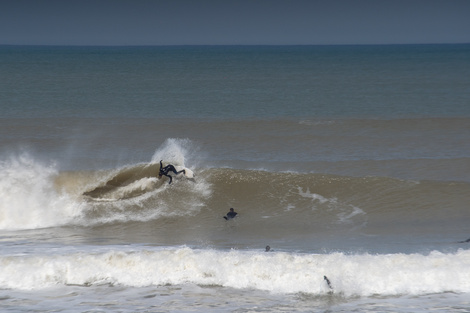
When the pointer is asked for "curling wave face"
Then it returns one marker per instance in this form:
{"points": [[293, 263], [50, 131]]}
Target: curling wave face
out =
{"points": [[126, 183]]}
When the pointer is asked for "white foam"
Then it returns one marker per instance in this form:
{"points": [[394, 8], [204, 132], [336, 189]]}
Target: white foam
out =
{"points": [[278, 272], [313, 196], [344, 212], [28, 198], [142, 185], [154, 203]]}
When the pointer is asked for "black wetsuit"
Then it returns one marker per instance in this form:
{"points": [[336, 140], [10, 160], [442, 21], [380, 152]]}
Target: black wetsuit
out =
{"points": [[230, 215], [169, 168]]}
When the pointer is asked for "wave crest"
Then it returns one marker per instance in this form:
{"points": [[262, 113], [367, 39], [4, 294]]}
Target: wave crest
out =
{"points": [[28, 197], [278, 272]]}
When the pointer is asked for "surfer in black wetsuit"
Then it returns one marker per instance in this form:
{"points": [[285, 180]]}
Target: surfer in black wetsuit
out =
{"points": [[169, 168], [231, 214], [328, 282]]}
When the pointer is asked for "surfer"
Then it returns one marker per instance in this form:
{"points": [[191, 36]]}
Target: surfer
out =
{"points": [[169, 168], [328, 282], [231, 214]]}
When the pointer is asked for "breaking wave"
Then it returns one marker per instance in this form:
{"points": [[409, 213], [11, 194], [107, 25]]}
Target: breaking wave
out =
{"points": [[28, 198], [277, 272], [35, 195]]}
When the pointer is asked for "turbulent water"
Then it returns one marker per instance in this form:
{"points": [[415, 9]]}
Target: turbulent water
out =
{"points": [[351, 163]]}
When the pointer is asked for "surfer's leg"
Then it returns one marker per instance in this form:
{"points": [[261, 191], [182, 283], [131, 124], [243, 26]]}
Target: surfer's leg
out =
{"points": [[169, 176], [177, 172]]}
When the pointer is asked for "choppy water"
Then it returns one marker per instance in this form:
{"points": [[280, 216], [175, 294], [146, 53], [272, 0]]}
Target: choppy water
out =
{"points": [[350, 162]]}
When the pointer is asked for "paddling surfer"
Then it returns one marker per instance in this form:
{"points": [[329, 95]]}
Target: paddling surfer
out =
{"points": [[231, 214]]}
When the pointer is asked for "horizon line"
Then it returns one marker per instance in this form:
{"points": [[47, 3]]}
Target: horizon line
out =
{"points": [[230, 45]]}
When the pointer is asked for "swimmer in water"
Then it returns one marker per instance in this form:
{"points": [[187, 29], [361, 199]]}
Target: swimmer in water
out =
{"points": [[231, 214]]}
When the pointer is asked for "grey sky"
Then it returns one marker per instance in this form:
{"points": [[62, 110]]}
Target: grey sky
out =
{"points": [[190, 22]]}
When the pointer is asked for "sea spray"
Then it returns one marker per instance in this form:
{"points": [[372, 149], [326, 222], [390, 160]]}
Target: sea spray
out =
{"points": [[28, 198], [176, 151]]}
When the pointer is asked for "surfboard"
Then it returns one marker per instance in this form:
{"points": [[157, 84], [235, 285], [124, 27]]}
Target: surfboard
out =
{"points": [[188, 172]]}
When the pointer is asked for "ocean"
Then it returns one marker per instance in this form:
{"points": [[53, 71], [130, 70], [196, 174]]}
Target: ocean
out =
{"points": [[352, 163]]}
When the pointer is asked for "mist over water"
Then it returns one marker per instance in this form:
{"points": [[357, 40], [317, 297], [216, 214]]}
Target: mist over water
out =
{"points": [[29, 199]]}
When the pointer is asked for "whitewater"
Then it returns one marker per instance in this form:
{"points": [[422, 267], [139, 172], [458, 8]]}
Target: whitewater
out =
{"points": [[277, 272]]}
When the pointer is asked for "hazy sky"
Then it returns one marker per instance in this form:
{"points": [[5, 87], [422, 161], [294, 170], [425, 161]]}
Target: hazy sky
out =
{"points": [[189, 22]]}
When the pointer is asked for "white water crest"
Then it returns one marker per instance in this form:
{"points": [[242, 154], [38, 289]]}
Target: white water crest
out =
{"points": [[277, 272], [28, 198]]}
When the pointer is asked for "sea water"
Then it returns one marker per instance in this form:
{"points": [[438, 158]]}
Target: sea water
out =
{"points": [[350, 162]]}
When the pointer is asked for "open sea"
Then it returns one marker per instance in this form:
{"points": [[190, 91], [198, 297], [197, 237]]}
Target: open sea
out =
{"points": [[351, 162]]}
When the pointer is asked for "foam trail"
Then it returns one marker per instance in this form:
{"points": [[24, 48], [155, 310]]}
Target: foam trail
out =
{"points": [[28, 198], [277, 272]]}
